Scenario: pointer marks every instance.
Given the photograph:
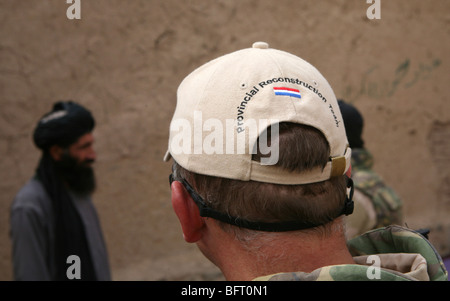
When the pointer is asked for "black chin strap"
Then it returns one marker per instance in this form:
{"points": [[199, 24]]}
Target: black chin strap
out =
{"points": [[284, 226]]}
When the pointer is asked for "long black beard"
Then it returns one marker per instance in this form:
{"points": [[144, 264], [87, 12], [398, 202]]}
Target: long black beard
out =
{"points": [[78, 176], [70, 234]]}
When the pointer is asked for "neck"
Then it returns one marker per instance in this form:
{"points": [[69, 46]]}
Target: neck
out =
{"points": [[271, 253]]}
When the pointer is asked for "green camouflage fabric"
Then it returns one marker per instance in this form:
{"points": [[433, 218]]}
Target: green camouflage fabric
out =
{"points": [[387, 204], [403, 255]]}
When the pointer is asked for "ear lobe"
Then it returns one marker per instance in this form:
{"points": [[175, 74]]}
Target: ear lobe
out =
{"points": [[56, 152], [187, 212], [349, 172]]}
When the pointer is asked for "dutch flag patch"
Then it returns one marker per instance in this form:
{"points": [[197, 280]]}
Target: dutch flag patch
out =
{"points": [[287, 92]]}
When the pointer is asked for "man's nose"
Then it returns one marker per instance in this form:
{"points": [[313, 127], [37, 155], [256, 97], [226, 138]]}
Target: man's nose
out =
{"points": [[91, 155]]}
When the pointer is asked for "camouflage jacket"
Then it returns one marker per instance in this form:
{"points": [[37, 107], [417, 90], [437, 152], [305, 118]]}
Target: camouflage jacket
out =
{"points": [[386, 203], [392, 253]]}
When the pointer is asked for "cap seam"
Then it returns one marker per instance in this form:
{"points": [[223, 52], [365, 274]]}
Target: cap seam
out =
{"points": [[292, 104], [188, 166]]}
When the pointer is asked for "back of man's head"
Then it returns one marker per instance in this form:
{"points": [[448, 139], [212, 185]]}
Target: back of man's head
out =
{"points": [[259, 143]]}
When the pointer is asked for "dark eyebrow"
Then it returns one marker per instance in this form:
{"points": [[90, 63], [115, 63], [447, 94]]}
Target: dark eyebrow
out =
{"points": [[86, 144]]}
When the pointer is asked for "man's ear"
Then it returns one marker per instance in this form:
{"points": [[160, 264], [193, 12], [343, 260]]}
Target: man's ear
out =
{"points": [[56, 152], [188, 213], [349, 172]]}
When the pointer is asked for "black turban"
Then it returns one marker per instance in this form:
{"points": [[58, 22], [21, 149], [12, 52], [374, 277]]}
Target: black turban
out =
{"points": [[67, 122], [354, 124]]}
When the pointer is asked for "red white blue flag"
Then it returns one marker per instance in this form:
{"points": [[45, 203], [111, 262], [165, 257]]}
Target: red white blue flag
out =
{"points": [[287, 92]]}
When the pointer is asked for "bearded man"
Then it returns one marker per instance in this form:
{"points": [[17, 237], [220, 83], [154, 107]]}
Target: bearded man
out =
{"points": [[52, 216]]}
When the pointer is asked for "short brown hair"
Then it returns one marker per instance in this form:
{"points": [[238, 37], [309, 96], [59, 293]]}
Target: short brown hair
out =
{"points": [[301, 148]]}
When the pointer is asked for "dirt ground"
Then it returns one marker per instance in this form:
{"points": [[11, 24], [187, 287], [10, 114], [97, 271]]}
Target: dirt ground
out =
{"points": [[125, 59]]}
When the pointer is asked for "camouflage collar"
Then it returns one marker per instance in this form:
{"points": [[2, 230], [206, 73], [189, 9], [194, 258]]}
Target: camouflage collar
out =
{"points": [[361, 159], [403, 254], [397, 239]]}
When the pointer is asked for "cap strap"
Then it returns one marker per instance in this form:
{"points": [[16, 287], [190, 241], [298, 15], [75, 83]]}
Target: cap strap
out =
{"points": [[337, 166], [283, 226]]}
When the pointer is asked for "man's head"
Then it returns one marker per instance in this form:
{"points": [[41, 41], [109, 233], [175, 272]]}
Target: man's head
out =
{"points": [[354, 124], [65, 134], [289, 174]]}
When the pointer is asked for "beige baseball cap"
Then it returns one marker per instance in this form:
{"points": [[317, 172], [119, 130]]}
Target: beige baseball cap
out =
{"points": [[224, 105]]}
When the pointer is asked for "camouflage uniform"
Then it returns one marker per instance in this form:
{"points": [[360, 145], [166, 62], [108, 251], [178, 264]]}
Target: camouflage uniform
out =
{"points": [[404, 255], [376, 204]]}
